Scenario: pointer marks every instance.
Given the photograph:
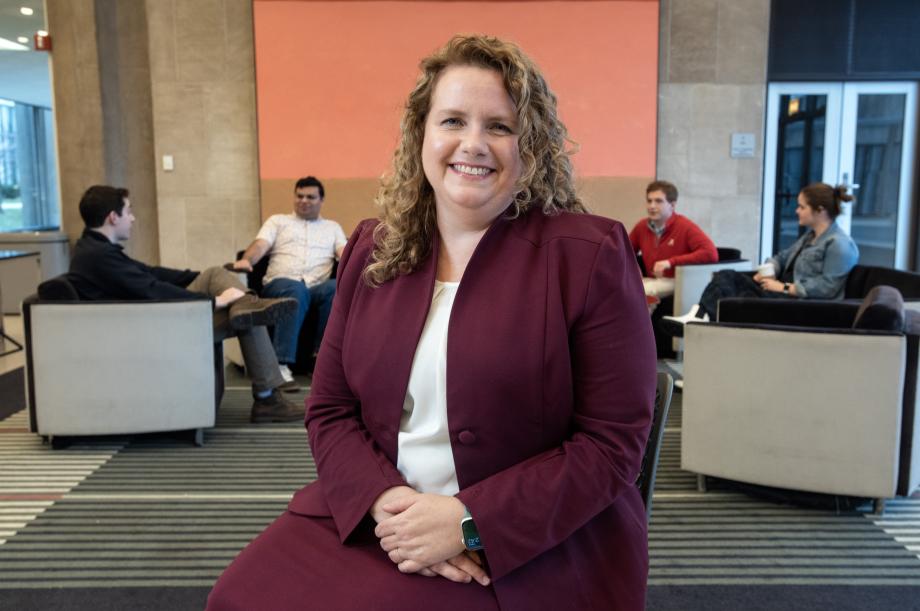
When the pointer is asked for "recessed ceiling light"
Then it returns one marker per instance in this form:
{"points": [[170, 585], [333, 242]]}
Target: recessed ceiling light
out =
{"points": [[42, 33], [9, 45], [23, 40], [25, 10]]}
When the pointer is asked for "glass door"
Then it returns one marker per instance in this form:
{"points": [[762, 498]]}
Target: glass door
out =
{"points": [[858, 134], [802, 147], [876, 159]]}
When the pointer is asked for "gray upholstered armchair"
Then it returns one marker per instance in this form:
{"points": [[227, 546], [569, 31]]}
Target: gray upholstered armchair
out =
{"points": [[820, 397], [117, 367]]}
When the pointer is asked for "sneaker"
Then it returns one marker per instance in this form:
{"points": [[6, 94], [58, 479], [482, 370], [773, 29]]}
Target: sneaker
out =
{"points": [[251, 311], [674, 325], [275, 408], [290, 384]]}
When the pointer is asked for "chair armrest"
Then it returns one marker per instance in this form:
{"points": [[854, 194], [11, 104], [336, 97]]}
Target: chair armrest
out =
{"points": [[690, 280], [789, 312]]}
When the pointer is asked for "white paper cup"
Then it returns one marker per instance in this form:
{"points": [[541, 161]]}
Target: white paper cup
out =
{"points": [[766, 270]]}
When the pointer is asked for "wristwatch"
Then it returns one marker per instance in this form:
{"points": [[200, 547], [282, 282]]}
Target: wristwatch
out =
{"points": [[785, 288], [469, 534]]}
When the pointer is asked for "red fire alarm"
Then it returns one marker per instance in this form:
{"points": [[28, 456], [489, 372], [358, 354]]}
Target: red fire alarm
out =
{"points": [[42, 41]]}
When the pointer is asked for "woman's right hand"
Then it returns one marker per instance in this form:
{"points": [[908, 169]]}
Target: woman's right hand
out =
{"points": [[758, 277]]}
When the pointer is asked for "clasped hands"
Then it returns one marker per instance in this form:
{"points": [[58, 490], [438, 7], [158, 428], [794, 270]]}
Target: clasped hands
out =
{"points": [[421, 534]]}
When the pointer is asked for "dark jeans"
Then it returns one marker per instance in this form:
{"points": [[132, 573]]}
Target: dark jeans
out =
{"points": [[287, 332], [729, 283]]}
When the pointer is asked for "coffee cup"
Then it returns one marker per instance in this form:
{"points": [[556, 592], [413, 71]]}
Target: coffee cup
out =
{"points": [[766, 270]]}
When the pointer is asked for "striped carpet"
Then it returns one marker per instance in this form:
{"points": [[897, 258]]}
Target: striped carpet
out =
{"points": [[150, 522]]}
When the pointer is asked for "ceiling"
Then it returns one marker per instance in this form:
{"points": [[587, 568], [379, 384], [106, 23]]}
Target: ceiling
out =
{"points": [[24, 75]]}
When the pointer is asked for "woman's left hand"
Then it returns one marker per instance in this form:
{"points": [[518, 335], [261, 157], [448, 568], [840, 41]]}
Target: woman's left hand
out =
{"points": [[771, 284], [425, 530]]}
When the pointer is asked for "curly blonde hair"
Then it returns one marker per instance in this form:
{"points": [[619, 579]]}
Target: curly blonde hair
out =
{"points": [[403, 238]]}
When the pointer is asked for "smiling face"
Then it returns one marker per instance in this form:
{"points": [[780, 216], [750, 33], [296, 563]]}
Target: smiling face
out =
{"points": [[470, 150], [307, 203], [658, 208]]}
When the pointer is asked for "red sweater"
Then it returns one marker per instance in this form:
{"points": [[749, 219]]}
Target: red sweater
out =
{"points": [[682, 242]]}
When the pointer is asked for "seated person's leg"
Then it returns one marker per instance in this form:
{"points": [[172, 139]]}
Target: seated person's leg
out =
{"points": [[246, 309], [287, 331], [664, 343], [727, 283], [321, 296], [298, 562], [215, 280], [259, 355]]}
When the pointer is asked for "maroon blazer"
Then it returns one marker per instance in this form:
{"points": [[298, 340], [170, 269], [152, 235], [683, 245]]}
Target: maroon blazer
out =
{"points": [[550, 386]]}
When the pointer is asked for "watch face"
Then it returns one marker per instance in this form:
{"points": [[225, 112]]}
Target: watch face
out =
{"points": [[470, 535]]}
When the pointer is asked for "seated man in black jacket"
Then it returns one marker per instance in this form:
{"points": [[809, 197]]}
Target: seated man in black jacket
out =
{"points": [[99, 269]]}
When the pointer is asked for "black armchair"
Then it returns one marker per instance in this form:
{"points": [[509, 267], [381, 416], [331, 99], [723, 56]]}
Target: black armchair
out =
{"points": [[806, 395], [305, 358]]}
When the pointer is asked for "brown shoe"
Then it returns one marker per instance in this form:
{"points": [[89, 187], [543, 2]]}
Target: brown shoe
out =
{"points": [[275, 408], [292, 386], [251, 311]]}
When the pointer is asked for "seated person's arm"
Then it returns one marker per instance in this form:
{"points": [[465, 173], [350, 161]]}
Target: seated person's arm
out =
{"points": [[138, 281], [839, 258], [252, 255], [702, 250], [340, 241]]}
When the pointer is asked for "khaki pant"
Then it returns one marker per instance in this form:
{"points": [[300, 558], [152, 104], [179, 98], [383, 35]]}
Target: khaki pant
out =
{"points": [[256, 346]]}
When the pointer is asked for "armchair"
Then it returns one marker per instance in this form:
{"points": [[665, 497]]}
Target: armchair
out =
{"points": [[690, 280], [828, 407], [304, 363], [118, 367]]}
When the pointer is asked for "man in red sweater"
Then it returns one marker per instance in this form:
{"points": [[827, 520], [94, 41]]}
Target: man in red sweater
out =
{"points": [[667, 239]]}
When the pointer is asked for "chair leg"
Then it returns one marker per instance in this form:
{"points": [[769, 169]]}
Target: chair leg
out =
{"points": [[701, 483], [878, 507], [198, 437]]}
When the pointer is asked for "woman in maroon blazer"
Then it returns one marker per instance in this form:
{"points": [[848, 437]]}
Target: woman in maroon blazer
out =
{"points": [[489, 361]]}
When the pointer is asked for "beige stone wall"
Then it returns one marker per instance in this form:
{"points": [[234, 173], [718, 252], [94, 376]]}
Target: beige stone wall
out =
{"points": [[204, 115], [127, 123], [77, 104], [101, 83], [712, 82]]}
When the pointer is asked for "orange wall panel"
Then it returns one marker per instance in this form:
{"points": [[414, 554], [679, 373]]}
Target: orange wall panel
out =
{"points": [[332, 77]]}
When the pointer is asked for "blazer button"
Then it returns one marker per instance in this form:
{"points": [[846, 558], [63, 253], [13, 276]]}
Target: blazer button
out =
{"points": [[467, 437]]}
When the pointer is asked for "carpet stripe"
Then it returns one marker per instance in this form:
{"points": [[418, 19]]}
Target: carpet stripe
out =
{"points": [[158, 512]]}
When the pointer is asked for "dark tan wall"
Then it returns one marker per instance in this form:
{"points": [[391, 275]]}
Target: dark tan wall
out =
{"points": [[349, 200]]}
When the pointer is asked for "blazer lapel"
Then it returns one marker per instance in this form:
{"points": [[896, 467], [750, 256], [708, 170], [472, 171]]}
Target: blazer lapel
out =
{"points": [[402, 305]]}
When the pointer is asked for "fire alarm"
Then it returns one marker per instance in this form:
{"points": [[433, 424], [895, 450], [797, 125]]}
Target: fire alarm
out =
{"points": [[42, 41]]}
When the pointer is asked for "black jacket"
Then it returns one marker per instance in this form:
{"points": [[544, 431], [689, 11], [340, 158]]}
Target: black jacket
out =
{"points": [[100, 269]]}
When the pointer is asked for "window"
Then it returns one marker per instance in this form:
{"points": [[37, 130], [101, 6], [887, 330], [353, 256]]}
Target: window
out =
{"points": [[28, 181]]}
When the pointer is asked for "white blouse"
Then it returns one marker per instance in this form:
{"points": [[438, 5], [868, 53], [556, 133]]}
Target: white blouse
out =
{"points": [[424, 456]]}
